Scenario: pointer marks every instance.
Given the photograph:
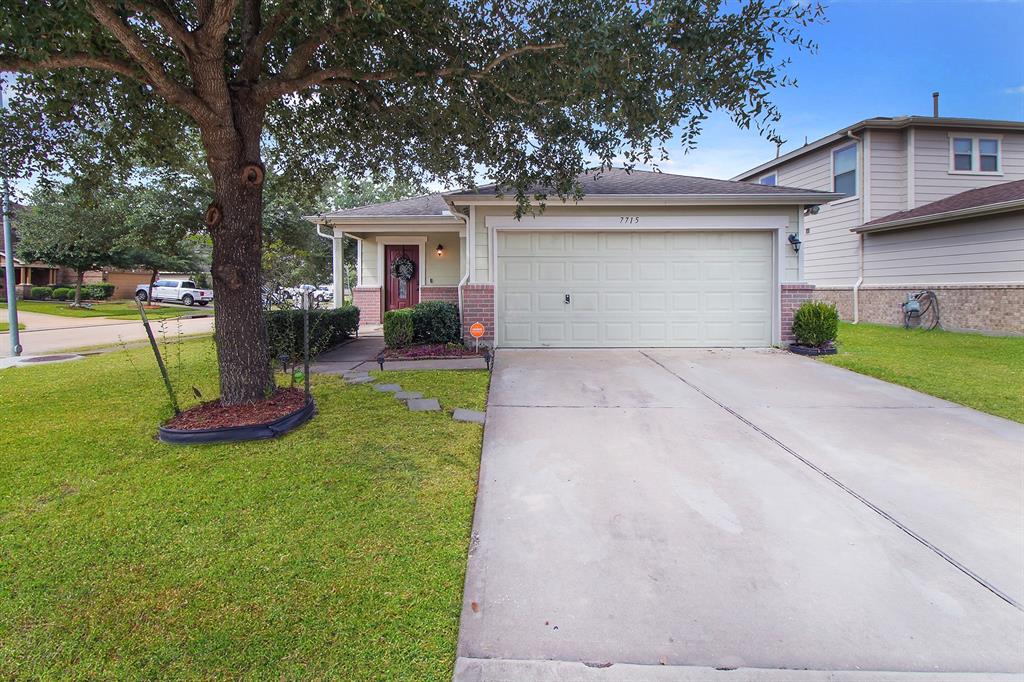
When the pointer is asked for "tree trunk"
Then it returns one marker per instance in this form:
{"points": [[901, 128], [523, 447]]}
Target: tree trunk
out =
{"points": [[242, 350], [80, 275], [152, 281]]}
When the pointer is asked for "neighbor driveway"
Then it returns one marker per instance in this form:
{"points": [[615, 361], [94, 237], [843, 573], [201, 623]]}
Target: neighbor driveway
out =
{"points": [[737, 509]]}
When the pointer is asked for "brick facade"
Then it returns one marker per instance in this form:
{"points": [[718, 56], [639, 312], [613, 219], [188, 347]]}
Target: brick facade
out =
{"points": [[446, 294], [792, 296], [368, 300], [994, 308], [478, 306]]}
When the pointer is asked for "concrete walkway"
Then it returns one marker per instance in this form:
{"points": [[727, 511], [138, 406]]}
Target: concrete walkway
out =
{"points": [[665, 514]]}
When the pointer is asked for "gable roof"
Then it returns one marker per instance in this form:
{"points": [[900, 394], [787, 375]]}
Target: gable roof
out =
{"points": [[1007, 196], [622, 183], [425, 205], [885, 122]]}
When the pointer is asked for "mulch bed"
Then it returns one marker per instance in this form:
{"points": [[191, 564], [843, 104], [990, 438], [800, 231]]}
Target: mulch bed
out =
{"points": [[213, 415], [812, 351], [430, 351]]}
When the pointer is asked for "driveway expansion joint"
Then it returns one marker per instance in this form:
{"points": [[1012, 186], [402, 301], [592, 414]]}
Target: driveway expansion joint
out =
{"points": [[850, 491]]}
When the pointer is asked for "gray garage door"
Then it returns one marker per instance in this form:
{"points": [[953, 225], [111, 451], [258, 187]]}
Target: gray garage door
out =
{"points": [[594, 289]]}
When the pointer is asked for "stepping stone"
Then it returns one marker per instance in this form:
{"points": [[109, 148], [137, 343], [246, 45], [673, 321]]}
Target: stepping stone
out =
{"points": [[364, 379], [387, 388], [408, 395], [461, 415], [424, 405]]}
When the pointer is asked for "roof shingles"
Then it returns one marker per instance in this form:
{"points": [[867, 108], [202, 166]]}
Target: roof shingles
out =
{"points": [[974, 198]]}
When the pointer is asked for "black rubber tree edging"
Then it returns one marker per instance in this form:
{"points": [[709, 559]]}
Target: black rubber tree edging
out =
{"points": [[811, 351], [231, 434]]}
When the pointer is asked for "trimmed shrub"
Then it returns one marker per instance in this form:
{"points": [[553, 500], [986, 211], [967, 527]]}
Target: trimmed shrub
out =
{"points": [[99, 291], [327, 328], [436, 322], [62, 293], [398, 328], [815, 323], [40, 293]]}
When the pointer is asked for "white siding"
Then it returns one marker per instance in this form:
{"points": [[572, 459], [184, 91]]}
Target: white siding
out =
{"points": [[831, 255], [932, 179], [888, 172], [482, 251], [983, 250]]}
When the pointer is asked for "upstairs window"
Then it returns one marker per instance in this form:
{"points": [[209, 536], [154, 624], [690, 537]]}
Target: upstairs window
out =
{"points": [[768, 179], [844, 170], [974, 155]]}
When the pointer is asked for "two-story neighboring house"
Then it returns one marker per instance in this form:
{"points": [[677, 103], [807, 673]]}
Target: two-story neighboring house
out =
{"points": [[932, 203]]}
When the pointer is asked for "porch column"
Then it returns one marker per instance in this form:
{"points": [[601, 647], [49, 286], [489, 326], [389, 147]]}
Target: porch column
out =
{"points": [[338, 262]]}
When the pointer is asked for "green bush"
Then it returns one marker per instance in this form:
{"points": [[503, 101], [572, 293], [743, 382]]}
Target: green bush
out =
{"points": [[99, 291], [63, 293], [815, 323], [436, 322], [398, 328], [327, 328], [40, 293]]}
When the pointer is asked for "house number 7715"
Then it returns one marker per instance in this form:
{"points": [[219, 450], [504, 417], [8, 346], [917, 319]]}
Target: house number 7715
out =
{"points": [[629, 219]]}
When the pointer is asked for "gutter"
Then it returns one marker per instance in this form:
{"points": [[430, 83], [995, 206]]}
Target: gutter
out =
{"points": [[860, 244], [809, 197], [465, 278]]}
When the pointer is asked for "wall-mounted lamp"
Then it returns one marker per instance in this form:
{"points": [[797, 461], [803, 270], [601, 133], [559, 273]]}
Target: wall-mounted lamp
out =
{"points": [[812, 210], [440, 250], [795, 242]]}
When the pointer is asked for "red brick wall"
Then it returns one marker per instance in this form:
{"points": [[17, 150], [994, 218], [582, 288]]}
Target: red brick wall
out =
{"points": [[368, 300], [792, 296], [478, 306], [446, 294]]}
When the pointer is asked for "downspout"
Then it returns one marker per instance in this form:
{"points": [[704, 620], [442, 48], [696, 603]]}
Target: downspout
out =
{"points": [[465, 278], [340, 297], [860, 237]]}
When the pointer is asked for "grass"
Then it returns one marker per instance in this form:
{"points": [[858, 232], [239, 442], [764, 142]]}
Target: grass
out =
{"points": [[335, 552], [115, 309], [983, 372], [6, 327]]}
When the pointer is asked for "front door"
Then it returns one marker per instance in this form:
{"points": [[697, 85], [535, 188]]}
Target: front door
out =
{"points": [[400, 293]]}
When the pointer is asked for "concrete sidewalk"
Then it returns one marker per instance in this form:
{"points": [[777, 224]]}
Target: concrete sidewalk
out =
{"points": [[98, 332]]}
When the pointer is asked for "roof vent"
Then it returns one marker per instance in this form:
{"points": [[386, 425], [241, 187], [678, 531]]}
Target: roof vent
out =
{"points": [[935, 104]]}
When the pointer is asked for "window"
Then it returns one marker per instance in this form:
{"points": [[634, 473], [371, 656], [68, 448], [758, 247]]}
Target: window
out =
{"points": [[161, 283], [768, 180], [844, 170], [974, 155], [188, 285]]}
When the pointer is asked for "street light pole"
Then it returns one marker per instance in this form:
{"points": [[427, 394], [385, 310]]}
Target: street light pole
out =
{"points": [[12, 297]]}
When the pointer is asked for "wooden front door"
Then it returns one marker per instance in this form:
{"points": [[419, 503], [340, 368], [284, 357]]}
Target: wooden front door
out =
{"points": [[398, 293]]}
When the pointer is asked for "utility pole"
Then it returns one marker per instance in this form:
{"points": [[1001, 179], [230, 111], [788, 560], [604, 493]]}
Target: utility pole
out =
{"points": [[12, 296]]}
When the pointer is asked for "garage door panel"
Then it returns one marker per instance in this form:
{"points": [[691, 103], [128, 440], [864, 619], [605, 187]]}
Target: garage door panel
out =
{"points": [[635, 289]]}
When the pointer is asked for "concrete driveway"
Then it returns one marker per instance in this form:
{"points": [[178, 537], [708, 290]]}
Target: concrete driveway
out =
{"points": [[674, 513]]}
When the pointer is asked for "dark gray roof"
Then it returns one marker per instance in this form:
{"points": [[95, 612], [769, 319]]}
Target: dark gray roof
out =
{"points": [[428, 204], [980, 199], [619, 181]]}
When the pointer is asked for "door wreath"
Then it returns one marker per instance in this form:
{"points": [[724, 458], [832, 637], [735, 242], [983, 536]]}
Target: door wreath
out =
{"points": [[403, 268]]}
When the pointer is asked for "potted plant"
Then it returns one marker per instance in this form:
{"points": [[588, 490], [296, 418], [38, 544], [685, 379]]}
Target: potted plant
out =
{"points": [[815, 326]]}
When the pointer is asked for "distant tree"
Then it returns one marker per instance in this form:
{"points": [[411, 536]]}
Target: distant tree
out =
{"points": [[77, 226], [527, 92]]}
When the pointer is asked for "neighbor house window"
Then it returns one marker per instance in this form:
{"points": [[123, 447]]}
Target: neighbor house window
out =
{"points": [[974, 155], [844, 170], [768, 179]]}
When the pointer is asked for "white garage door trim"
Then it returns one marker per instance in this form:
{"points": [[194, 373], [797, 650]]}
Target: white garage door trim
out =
{"points": [[773, 223]]}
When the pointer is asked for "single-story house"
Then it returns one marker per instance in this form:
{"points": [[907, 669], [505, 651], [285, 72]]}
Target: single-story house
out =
{"points": [[643, 259]]}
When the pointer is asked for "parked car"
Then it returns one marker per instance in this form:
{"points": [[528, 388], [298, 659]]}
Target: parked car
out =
{"points": [[175, 290], [325, 293], [321, 294]]}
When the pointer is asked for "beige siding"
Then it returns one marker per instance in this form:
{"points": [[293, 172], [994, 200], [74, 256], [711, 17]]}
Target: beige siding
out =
{"points": [[790, 273], [831, 255], [368, 263], [983, 250], [888, 175], [932, 179], [445, 270]]}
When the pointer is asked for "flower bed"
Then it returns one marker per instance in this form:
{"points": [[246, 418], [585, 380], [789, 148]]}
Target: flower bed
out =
{"points": [[212, 422], [430, 351]]}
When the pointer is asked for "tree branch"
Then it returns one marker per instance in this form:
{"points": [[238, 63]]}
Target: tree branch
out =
{"points": [[173, 92], [298, 60], [168, 21], [283, 84], [215, 18], [72, 61], [256, 44]]}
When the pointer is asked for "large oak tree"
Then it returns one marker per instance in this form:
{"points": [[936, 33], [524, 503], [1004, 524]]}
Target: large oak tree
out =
{"points": [[525, 92]]}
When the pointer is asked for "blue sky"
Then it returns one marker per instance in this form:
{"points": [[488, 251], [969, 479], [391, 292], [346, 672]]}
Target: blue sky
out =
{"points": [[883, 58]]}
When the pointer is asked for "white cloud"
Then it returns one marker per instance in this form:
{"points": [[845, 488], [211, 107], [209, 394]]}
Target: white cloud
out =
{"points": [[1019, 90]]}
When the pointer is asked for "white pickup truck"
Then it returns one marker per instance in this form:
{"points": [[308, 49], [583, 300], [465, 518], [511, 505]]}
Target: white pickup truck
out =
{"points": [[177, 290]]}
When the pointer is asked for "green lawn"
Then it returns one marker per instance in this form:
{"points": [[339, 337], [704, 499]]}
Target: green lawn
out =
{"points": [[336, 552], [983, 372], [6, 326], [118, 309]]}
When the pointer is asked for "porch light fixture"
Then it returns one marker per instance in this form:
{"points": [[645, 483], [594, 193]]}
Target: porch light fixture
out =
{"points": [[795, 242], [440, 250]]}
